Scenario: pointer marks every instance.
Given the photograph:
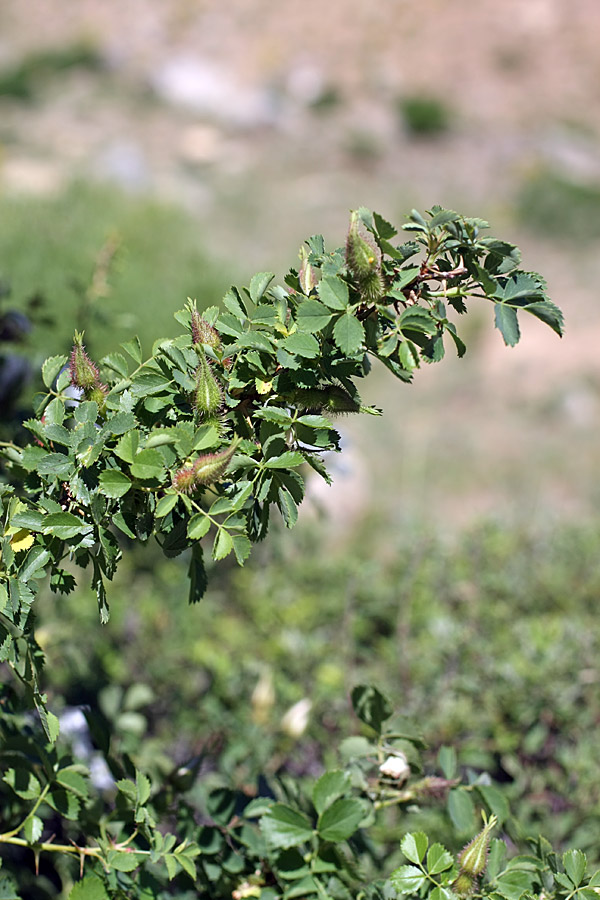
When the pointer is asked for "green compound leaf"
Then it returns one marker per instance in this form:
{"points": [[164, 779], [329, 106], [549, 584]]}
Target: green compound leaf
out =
{"points": [[51, 368], [134, 349], [407, 879], [448, 761], [148, 464], [128, 788], [547, 312], [312, 316], [371, 706], [120, 423], [32, 829], [384, 228], [74, 781], [241, 548], [55, 464], [86, 412], [165, 505], [495, 801], [123, 860], [408, 355], [90, 888], [575, 864], [443, 217], [29, 519], [286, 460], [287, 506], [299, 344], [116, 362], [275, 414], [127, 447], [348, 334], [285, 827], [328, 788], [24, 783], [147, 384], [65, 525], [197, 575], [198, 526], [253, 340], [441, 893], [35, 560], [461, 810], [49, 721], [438, 859], [416, 319], [143, 788], [259, 284], [507, 324], [114, 483], [513, 885], [64, 802], [340, 820], [496, 858], [414, 846], [333, 292], [520, 286], [223, 544]]}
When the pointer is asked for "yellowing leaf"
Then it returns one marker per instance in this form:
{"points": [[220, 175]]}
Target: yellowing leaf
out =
{"points": [[263, 387], [22, 540]]}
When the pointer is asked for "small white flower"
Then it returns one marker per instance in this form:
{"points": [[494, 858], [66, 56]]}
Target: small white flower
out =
{"points": [[295, 720], [396, 767]]}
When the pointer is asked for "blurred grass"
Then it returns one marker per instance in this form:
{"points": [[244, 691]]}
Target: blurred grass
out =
{"points": [[49, 247], [553, 205], [488, 641]]}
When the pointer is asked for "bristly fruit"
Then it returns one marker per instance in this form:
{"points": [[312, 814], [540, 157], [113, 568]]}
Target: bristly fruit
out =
{"points": [[205, 470], [202, 331], [463, 884], [472, 859], [207, 393], [364, 262], [184, 480], [98, 393], [84, 373], [212, 466]]}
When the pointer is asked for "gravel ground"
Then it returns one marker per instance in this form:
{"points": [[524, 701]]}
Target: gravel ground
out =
{"points": [[269, 120]]}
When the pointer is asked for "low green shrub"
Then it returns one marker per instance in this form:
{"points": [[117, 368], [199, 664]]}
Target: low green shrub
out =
{"points": [[424, 115], [23, 80]]}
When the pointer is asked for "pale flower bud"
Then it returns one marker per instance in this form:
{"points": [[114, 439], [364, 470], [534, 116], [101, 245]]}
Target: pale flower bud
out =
{"points": [[396, 767], [295, 720], [263, 697]]}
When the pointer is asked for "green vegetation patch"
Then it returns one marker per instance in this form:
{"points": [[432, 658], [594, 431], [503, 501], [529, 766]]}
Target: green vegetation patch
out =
{"points": [[553, 205], [97, 257]]}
